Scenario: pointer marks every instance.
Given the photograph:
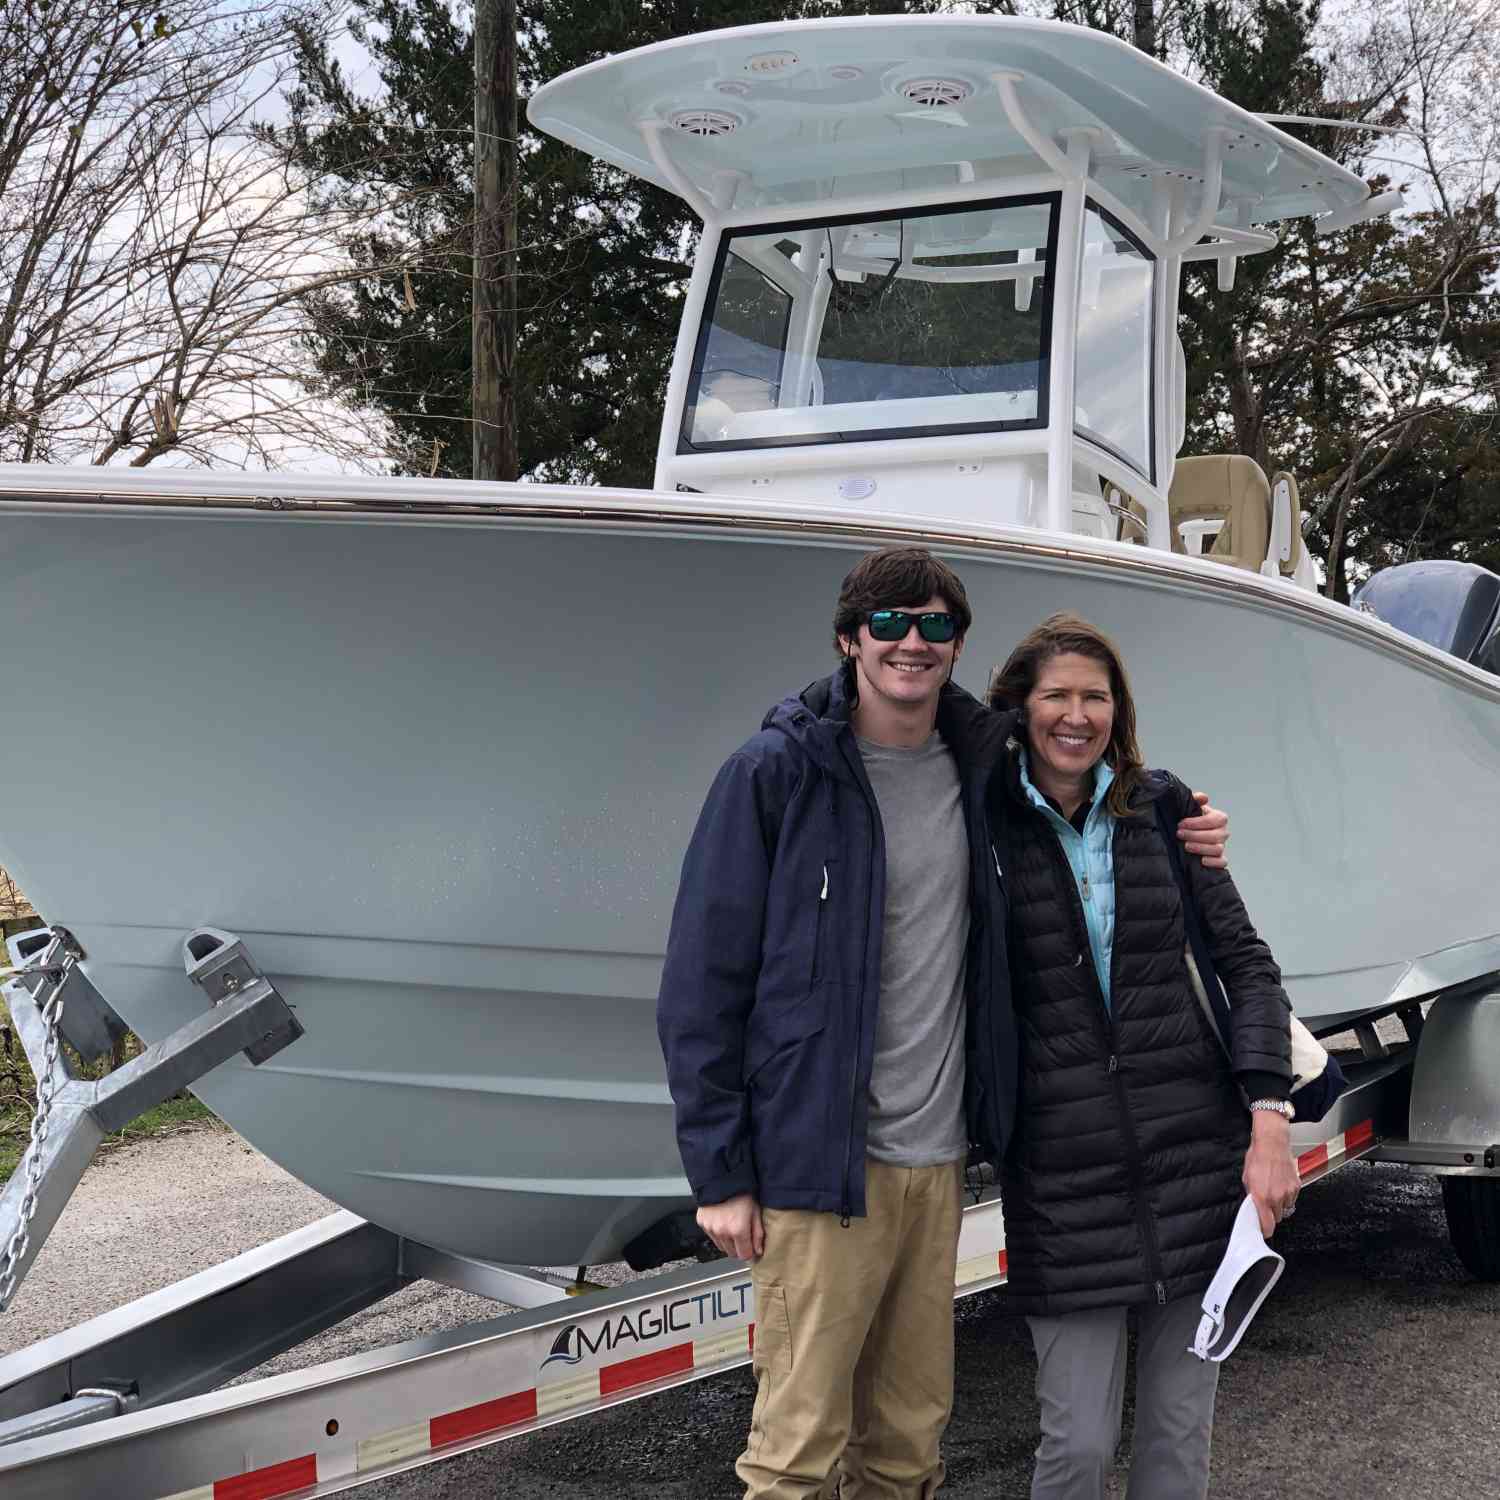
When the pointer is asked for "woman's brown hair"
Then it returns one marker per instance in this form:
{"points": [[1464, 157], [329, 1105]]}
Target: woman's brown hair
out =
{"points": [[1068, 634]]}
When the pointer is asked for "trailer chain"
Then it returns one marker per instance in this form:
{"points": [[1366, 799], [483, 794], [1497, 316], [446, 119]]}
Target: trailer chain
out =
{"points": [[20, 1240]]}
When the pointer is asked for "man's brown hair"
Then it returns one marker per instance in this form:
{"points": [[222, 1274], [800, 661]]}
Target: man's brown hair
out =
{"points": [[1067, 634], [891, 578]]}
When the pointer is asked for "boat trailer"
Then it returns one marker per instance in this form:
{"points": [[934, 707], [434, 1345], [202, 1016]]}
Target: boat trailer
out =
{"points": [[130, 1402], [52, 1000]]}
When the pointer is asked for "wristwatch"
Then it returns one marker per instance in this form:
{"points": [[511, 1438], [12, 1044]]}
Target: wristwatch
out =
{"points": [[1282, 1107]]}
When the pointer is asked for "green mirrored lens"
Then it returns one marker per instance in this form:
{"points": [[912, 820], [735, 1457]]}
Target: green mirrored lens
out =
{"points": [[890, 624], [937, 627]]}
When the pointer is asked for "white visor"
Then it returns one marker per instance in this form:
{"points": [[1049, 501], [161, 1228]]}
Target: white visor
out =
{"points": [[1247, 1273]]}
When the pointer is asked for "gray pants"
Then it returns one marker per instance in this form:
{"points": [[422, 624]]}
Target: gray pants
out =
{"points": [[1081, 1385]]}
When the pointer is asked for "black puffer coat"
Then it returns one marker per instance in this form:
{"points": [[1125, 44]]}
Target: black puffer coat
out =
{"points": [[1123, 1179]]}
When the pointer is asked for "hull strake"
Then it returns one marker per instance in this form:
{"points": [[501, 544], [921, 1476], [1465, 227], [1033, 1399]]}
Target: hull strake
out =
{"points": [[440, 776]]}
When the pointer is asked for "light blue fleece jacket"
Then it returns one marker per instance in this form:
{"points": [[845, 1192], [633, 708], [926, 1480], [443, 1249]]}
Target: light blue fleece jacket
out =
{"points": [[1091, 857]]}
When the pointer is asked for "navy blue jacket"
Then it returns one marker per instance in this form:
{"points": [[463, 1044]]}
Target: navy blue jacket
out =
{"points": [[772, 975]]}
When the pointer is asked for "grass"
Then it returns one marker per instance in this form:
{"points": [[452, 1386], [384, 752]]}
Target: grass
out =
{"points": [[18, 1100]]}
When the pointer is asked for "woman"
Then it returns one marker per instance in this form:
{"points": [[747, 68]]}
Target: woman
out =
{"points": [[1134, 1146]]}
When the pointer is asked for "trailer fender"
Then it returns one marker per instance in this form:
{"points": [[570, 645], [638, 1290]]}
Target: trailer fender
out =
{"points": [[1455, 1086], [1455, 1101]]}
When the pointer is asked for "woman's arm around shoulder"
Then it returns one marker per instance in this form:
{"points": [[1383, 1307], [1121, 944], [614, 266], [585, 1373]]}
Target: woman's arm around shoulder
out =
{"points": [[1260, 1017], [1259, 1009]]}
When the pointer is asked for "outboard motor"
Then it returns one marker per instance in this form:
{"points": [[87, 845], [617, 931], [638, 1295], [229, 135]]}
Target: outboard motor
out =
{"points": [[1451, 605]]}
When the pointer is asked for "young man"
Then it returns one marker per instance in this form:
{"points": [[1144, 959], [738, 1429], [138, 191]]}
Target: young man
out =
{"points": [[835, 1014]]}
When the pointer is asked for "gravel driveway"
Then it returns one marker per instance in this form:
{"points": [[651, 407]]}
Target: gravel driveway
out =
{"points": [[1372, 1372]]}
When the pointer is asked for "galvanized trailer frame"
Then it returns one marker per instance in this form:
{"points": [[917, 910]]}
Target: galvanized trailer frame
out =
{"points": [[335, 1426], [52, 1000], [127, 1403], [328, 1428]]}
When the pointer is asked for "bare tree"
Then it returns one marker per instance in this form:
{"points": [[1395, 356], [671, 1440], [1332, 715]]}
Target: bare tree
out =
{"points": [[12, 903], [160, 258]]}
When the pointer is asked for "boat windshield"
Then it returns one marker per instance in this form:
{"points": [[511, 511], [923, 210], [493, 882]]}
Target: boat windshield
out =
{"points": [[894, 326], [1113, 387]]}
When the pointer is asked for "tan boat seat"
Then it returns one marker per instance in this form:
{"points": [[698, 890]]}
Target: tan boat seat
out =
{"points": [[1227, 487]]}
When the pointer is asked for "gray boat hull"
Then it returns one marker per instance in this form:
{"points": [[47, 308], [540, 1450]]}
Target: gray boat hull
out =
{"points": [[439, 773]]}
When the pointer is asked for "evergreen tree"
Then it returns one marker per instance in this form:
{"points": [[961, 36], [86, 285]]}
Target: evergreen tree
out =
{"points": [[1299, 365]]}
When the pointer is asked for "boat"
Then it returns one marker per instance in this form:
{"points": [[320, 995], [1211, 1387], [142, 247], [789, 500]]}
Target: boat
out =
{"points": [[433, 750]]}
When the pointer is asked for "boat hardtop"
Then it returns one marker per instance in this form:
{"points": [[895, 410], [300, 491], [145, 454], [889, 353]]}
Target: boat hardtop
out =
{"points": [[756, 118]]}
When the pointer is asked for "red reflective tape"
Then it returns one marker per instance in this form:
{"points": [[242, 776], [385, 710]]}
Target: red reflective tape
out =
{"points": [[265, 1484], [505, 1411], [645, 1367], [1003, 1263], [1310, 1161], [1360, 1135]]}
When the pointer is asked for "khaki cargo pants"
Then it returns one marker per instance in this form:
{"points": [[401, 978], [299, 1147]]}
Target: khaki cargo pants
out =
{"points": [[854, 1343]]}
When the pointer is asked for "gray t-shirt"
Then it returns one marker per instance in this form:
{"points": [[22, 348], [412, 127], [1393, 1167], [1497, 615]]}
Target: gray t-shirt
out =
{"points": [[917, 1085]]}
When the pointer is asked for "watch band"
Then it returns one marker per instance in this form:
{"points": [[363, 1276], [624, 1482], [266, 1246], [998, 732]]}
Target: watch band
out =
{"points": [[1282, 1107]]}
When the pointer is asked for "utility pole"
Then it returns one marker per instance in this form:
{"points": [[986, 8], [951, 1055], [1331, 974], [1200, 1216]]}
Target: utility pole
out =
{"points": [[1144, 34], [496, 170]]}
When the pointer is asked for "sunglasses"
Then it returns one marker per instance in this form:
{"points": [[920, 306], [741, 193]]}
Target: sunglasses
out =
{"points": [[893, 624]]}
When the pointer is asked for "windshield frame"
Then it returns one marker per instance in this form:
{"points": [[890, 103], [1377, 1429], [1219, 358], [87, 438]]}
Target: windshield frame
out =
{"points": [[1051, 199]]}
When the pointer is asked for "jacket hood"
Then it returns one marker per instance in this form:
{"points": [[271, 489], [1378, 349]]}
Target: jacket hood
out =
{"points": [[821, 713], [815, 718]]}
